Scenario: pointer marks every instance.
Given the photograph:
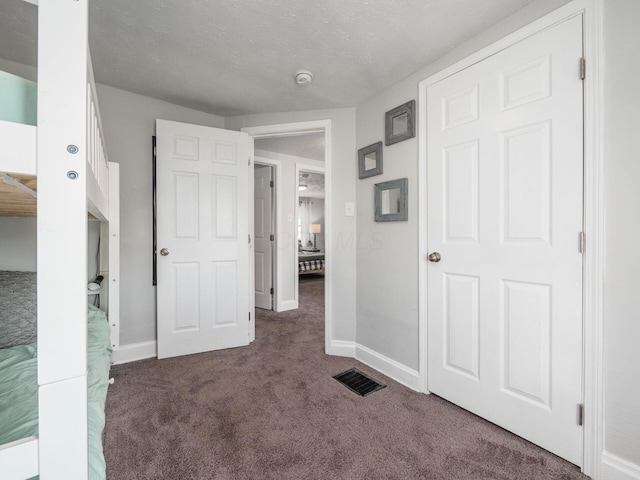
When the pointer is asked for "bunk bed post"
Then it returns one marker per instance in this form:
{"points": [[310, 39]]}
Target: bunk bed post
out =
{"points": [[62, 238]]}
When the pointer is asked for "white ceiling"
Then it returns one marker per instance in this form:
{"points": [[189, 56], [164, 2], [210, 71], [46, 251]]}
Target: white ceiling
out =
{"points": [[305, 146], [314, 182], [232, 57]]}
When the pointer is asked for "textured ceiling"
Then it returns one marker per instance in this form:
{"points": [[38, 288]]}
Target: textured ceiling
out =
{"points": [[311, 146], [314, 183], [305, 146], [232, 57]]}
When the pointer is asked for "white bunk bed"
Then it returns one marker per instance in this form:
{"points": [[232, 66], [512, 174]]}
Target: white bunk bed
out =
{"points": [[66, 152]]}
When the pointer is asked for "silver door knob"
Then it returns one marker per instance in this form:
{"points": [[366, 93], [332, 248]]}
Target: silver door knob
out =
{"points": [[434, 257], [164, 252]]}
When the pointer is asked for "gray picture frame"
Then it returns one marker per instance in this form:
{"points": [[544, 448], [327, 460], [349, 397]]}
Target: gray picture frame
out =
{"points": [[398, 210], [365, 157], [400, 123]]}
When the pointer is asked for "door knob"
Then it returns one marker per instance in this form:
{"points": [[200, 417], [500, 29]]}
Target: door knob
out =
{"points": [[164, 252], [434, 257]]}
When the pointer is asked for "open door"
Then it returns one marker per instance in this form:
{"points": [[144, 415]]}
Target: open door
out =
{"points": [[264, 235], [204, 256]]}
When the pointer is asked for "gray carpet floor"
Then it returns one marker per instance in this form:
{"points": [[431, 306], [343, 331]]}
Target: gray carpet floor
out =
{"points": [[273, 411]]}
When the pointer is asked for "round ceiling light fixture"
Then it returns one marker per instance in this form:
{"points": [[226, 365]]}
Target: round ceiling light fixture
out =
{"points": [[303, 77]]}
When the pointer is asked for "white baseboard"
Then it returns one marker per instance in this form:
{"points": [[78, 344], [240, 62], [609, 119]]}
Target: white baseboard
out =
{"points": [[134, 352], [399, 372], [341, 348], [616, 468]]}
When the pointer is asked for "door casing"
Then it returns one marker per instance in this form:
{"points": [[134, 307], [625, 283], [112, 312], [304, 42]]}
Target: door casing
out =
{"points": [[313, 126]]}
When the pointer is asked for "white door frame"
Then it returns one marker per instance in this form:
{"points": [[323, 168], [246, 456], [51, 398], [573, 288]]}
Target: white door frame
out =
{"points": [[276, 167], [303, 167], [297, 128], [593, 263]]}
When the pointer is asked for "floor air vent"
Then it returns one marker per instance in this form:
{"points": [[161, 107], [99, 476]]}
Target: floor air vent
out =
{"points": [[358, 382]]}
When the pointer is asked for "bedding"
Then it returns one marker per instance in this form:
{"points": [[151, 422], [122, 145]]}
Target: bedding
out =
{"points": [[19, 389], [310, 262]]}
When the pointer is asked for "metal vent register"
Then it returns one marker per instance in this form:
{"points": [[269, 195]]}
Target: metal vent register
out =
{"points": [[358, 382]]}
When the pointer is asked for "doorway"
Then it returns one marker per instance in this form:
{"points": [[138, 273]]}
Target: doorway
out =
{"points": [[286, 156], [285, 244], [310, 225], [286, 197]]}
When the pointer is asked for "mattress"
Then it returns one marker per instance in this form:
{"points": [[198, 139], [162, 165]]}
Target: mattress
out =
{"points": [[19, 389]]}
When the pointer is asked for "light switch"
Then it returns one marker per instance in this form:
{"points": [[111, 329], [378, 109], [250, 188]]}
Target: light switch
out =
{"points": [[349, 209]]}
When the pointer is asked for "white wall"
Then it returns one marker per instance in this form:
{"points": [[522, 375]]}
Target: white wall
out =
{"points": [[287, 243], [343, 175], [24, 71], [622, 220], [387, 256], [129, 124], [18, 245]]}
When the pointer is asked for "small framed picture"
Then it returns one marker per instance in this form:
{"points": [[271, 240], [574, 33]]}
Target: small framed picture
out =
{"points": [[370, 160], [390, 201], [400, 123]]}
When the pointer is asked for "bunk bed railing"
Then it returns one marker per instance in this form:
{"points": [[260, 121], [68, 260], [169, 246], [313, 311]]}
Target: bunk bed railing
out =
{"points": [[97, 161]]}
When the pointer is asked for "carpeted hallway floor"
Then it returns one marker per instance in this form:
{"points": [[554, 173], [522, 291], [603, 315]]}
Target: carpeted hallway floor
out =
{"points": [[272, 411]]}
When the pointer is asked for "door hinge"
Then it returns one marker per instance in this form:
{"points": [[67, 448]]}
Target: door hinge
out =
{"points": [[583, 68], [580, 414], [272, 237], [271, 183], [249, 316], [582, 240], [249, 238], [271, 290]]}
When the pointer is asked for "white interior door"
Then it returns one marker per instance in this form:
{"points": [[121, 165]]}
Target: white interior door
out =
{"points": [[263, 228], [505, 214], [203, 239]]}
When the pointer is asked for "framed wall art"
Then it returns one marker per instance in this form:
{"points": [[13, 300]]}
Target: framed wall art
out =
{"points": [[370, 160], [391, 200], [400, 123]]}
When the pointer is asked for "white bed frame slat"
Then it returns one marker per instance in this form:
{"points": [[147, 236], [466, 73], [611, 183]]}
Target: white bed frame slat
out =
{"points": [[19, 459], [63, 420], [113, 240]]}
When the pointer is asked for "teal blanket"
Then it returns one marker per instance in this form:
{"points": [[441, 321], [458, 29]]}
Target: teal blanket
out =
{"points": [[19, 389]]}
